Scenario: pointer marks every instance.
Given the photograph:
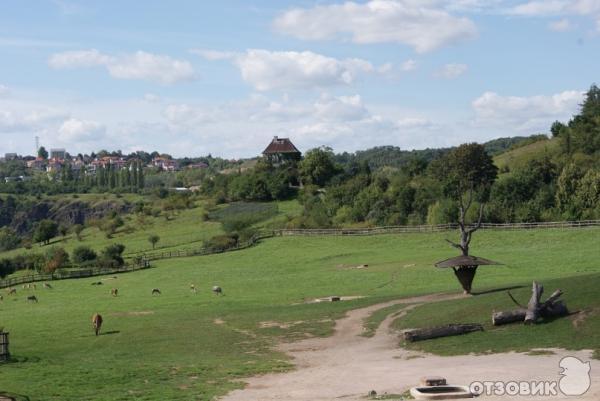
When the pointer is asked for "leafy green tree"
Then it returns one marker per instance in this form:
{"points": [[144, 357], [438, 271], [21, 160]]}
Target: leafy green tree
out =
{"points": [[468, 173], [585, 127], [153, 239], [63, 230], [77, 230], [318, 166], [8, 239], [55, 258], [112, 256], [83, 254], [45, 231], [42, 153]]}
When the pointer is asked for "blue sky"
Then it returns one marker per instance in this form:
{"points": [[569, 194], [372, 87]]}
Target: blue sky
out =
{"points": [[191, 78]]}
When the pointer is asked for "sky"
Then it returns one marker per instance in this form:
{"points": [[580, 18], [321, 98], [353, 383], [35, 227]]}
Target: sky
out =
{"points": [[191, 78]]}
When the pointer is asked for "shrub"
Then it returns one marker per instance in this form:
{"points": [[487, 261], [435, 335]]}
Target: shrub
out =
{"points": [[55, 258], [222, 241], [8, 239], [83, 254], [111, 256]]}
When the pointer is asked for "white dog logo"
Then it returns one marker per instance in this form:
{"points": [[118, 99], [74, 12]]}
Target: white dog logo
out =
{"points": [[575, 374]]}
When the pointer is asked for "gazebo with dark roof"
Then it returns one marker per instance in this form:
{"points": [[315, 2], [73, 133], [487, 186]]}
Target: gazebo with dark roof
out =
{"points": [[281, 150], [464, 267]]}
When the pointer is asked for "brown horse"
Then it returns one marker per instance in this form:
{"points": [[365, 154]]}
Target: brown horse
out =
{"points": [[97, 322]]}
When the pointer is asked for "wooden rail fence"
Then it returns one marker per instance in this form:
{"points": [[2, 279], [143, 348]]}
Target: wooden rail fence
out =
{"points": [[142, 261], [436, 228], [78, 273]]}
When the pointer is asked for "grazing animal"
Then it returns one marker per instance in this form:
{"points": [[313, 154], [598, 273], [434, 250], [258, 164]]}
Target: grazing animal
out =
{"points": [[46, 285], [217, 290], [32, 298], [114, 292], [12, 291], [155, 291], [1, 298], [34, 286], [193, 288], [97, 322]]}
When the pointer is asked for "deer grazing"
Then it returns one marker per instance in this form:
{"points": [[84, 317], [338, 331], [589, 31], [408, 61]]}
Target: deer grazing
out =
{"points": [[114, 292], [32, 298], [217, 290]]}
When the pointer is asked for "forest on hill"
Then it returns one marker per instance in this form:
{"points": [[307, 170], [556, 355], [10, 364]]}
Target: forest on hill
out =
{"points": [[534, 179]]}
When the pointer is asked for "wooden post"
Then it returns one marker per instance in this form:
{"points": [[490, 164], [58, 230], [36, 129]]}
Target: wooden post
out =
{"points": [[4, 353]]}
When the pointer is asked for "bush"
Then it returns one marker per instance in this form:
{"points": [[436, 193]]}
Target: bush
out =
{"points": [[55, 258], [8, 239], [83, 254], [222, 242], [111, 256]]}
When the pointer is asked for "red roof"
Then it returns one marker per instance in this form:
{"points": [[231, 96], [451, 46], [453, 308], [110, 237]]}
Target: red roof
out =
{"points": [[280, 145]]}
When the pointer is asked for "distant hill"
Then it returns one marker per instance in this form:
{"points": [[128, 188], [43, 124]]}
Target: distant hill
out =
{"points": [[393, 156], [520, 155]]}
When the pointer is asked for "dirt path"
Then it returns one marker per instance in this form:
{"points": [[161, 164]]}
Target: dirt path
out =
{"points": [[347, 366]]}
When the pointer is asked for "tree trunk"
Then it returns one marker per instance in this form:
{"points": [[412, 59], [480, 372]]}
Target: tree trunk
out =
{"points": [[533, 307], [552, 307], [442, 331], [500, 318]]}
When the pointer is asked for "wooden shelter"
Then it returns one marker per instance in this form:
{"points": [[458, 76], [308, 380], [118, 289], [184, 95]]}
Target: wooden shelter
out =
{"points": [[465, 267]]}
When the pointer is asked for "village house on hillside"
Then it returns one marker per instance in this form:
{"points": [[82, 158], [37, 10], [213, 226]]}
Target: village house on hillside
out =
{"points": [[281, 150]]}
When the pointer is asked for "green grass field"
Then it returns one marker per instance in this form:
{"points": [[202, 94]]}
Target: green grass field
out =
{"points": [[185, 346]]}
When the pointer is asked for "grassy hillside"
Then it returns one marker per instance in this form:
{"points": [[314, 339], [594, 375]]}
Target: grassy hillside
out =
{"points": [[183, 346], [521, 155], [184, 229]]}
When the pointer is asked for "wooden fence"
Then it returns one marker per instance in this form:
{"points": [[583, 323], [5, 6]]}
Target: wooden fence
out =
{"points": [[435, 228], [142, 261], [76, 273], [183, 253], [4, 353]]}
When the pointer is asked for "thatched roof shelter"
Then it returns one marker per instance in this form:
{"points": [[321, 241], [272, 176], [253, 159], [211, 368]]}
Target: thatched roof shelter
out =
{"points": [[462, 260]]}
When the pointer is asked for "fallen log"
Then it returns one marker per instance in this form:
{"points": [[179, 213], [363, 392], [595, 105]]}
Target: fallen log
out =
{"points": [[550, 308], [441, 331], [511, 316]]}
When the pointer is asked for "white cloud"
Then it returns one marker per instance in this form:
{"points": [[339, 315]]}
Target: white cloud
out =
{"points": [[341, 108], [139, 65], [537, 8], [561, 25], [451, 71], [213, 55], [4, 91], [525, 114], [423, 25], [74, 130], [409, 65], [151, 98], [267, 70], [79, 59]]}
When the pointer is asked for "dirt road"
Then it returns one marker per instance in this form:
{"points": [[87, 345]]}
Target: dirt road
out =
{"points": [[347, 366]]}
